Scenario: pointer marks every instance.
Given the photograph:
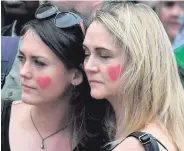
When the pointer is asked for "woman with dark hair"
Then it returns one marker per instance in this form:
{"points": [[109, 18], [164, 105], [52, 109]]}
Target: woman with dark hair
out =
{"points": [[55, 102]]}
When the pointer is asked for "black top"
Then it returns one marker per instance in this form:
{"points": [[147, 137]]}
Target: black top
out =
{"points": [[92, 144], [149, 142], [5, 120]]}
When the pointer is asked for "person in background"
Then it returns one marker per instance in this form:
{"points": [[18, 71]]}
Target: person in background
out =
{"points": [[179, 55], [130, 63], [17, 14], [178, 46], [53, 111], [83, 7], [169, 13], [179, 40], [3, 15]]}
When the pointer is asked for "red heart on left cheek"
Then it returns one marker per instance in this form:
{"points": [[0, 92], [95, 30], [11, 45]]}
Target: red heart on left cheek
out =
{"points": [[114, 72], [43, 81]]}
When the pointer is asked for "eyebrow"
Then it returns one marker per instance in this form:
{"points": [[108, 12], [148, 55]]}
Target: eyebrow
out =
{"points": [[34, 57], [97, 48], [103, 49]]}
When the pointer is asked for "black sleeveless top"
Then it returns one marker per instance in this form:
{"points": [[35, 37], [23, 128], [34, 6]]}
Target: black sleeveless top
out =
{"points": [[92, 144], [5, 120]]}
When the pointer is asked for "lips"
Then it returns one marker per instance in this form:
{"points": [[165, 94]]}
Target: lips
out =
{"points": [[175, 24], [94, 81], [27, 86]]}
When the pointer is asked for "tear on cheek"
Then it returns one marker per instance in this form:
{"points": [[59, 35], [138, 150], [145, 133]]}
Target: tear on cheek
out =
{"points": [[114, 72], [43, 81]]}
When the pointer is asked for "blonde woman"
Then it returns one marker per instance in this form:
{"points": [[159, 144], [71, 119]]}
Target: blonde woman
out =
{"points": [[129, 61]]}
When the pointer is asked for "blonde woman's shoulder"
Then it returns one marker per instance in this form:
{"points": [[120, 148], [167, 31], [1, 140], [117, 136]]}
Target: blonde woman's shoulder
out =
{"points": [[161, 134], [129, 144]]}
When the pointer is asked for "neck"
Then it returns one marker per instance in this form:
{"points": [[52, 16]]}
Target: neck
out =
{"points": [[116, 107], [49, 118]]}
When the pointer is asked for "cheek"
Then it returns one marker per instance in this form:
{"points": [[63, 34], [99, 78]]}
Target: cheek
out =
{"points": [[164, 15], [114, 72], [43, 81]]}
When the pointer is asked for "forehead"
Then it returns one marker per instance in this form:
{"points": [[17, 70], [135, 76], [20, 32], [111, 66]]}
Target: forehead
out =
{"points": [[31, 44], [96, 32], [98, 36]]}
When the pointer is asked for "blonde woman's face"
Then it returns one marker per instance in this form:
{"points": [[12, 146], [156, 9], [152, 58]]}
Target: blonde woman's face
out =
{"points": [[103, 62], [170, 16]]}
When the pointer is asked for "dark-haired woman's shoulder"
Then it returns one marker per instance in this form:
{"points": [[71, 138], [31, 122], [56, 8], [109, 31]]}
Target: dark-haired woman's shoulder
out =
{"points": [[17, 102], [19, 109], [10, 110], [6, 107]]}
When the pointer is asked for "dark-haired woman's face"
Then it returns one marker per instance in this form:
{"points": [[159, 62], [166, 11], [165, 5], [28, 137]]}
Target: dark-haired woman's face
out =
{"points": [[43, 76]]}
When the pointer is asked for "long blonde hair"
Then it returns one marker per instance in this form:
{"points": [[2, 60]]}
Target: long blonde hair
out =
{"points": [[150, 86]]}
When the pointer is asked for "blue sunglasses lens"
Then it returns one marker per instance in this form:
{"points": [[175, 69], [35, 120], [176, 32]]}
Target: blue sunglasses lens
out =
{"points": [[45, 11], [64, 20]]}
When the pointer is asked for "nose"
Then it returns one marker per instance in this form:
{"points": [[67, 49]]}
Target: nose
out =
{"points": [[25, 71], [90, 65]]}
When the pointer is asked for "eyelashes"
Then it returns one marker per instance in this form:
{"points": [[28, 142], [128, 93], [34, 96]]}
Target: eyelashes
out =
{"points": [[21, 58], [100, 55], [37, 62]]}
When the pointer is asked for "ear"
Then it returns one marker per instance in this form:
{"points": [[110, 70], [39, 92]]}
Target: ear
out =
{"points": [[77, 77]]}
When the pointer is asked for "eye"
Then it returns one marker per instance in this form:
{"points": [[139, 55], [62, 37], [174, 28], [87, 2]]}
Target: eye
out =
{"points": [[87, 54], [104, 56], [21, 58], [39, 63], [169, 4]]}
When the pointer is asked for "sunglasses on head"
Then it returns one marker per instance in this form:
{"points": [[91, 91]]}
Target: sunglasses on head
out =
{"points": [[62, 19]]}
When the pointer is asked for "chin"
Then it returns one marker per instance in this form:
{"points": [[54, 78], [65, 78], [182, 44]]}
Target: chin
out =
{"points": [[173, 34], [97, 94], [28, 99]]}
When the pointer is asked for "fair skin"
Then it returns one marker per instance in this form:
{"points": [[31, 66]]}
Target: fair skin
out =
{"points": [[170, 16], [102, 65], [40, 72], [132, 144], [96, 64]]}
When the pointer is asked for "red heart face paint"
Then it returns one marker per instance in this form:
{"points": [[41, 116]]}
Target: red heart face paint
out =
{"points": [[114, 72], [43, 81]]}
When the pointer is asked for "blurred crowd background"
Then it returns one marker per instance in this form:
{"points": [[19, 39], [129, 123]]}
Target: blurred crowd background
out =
{"points": [[16, 13]]}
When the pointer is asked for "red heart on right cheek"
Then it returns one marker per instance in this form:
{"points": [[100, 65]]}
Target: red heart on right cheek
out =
{"points": [[43, 81]]}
